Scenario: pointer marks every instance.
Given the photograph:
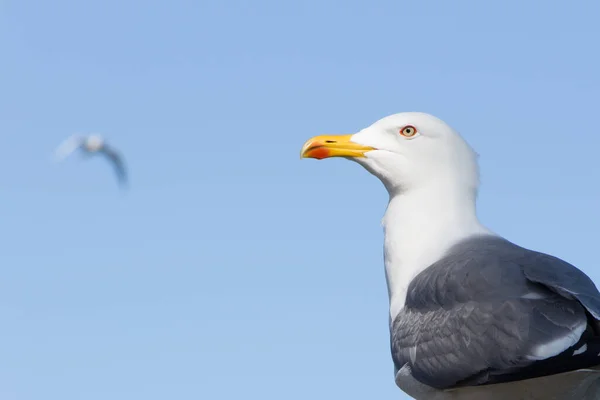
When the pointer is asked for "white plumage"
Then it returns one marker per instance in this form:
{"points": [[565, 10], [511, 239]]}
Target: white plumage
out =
{"points": [[472, 315]]}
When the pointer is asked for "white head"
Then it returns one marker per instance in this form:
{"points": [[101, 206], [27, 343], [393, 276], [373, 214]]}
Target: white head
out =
{"points": [[405, 151], [94, 143], [432, 176]]}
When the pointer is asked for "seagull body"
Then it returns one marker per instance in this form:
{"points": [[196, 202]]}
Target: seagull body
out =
{"points": [[92, 145], [472, 315]]}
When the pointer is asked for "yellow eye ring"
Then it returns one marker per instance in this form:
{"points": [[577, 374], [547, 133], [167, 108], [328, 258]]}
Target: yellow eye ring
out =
{"points": [[408, 131]]}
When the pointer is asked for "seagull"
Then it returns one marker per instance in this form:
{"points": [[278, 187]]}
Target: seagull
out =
{"points": [[473, 316], [93, 144]]}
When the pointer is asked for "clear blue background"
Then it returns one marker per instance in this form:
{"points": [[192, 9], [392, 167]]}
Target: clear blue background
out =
{"points": [[231, 269]]}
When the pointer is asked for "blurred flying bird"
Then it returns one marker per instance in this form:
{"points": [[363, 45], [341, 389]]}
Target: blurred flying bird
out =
{"points": [[91, 145]]}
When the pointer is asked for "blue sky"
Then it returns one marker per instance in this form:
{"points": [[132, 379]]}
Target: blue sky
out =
{"points": [[232, 269]]}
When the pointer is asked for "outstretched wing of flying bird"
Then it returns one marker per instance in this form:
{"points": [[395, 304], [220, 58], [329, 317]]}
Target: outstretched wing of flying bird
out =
{"points": [[117, 161], [68, 146]]}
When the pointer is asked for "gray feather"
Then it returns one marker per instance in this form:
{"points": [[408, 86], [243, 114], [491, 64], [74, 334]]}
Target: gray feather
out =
{"points": [[117, 162], [485, 308]]}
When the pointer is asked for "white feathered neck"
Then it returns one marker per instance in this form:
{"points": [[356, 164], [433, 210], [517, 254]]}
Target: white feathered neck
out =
{"points": [[419, 227]]}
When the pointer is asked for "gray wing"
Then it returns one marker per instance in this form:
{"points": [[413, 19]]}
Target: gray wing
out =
{"points": [[116, 159], [562, 278], [491, 312]]}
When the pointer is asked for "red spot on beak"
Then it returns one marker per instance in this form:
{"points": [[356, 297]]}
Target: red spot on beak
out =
{"points": [[319, 153]]}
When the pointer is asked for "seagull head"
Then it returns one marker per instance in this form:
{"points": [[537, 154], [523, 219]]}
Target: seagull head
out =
{"points": [[406, 151], [94, 143]]}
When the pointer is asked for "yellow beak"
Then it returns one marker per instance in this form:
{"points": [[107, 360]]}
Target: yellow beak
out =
{"points": [[326, 146]]}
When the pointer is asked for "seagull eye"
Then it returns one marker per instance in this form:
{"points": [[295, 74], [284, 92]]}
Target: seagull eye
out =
{"points": [[408, 131]]}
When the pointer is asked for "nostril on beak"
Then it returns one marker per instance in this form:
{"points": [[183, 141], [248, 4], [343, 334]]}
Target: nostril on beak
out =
{"points": [[330, 141]]}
